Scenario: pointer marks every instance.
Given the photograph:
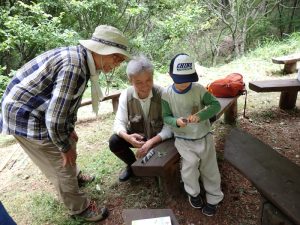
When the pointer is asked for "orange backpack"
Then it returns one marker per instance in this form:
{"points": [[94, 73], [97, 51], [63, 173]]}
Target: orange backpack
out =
{"points": [[230, 86]]}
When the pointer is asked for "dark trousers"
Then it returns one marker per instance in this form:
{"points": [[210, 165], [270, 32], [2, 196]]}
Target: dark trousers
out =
{"points": [[121, 149]]}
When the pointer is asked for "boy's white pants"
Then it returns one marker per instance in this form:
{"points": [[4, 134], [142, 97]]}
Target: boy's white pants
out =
{"points": [[199, 159]]}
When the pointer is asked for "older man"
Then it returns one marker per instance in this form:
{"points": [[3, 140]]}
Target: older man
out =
{"points": [[40, 104], [138, 123]]}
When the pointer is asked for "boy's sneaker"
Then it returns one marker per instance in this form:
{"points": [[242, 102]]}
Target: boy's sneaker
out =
{"points": [[209, 209], [84, 179], [93, 213], [196, 202]]}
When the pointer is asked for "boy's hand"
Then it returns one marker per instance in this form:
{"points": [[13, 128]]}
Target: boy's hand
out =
{"points": [[193, 119], [181, 122]]}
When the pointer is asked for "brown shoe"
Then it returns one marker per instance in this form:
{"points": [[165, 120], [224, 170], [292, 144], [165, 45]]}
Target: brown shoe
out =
{"points": [[84, 179], [93, 213]]}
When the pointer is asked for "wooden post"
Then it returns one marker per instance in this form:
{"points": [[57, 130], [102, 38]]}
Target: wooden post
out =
{"points": [[115, 103], [230, 114], [170, 181], [290, 68], [288, 99]]}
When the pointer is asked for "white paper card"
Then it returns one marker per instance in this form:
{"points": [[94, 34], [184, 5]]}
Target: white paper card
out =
{"points": [[153, 221], [298, 74]]}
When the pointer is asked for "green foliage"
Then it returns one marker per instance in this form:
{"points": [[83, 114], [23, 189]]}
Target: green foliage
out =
{"points": [[170, 30], [159, 29], [4, 80], [272, 47], [27, 30]]}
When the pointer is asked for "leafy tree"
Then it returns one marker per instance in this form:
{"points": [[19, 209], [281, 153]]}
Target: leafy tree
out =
{"points": [[240, 17], [27, 30]]}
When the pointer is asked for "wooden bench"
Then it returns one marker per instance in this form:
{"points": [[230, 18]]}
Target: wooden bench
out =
{"points": [[288, 87], [114, 97], [165, 163], [289, 61], [274, 176]]}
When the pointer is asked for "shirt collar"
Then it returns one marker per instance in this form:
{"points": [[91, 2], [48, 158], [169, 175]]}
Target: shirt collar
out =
{"points": [[184, 91], [135, 95]]}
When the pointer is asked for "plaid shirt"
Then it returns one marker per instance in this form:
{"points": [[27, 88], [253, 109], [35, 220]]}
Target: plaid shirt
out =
{"points": [[42, 99]]}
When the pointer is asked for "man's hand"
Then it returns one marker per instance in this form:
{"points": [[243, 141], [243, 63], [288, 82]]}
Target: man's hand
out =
{"points": [[69, 157], [74, 136], [136, 140], [141, 152]]}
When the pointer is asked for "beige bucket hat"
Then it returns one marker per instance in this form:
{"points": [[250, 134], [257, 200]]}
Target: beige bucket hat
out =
{"points": [[107, 40]]}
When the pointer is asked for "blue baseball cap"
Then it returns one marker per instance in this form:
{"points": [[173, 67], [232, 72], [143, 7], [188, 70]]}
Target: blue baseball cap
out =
{"points": [[182, 69]]}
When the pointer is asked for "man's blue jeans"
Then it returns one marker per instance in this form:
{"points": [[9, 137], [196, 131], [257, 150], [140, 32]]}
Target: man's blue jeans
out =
{"points": [[5, 218]]}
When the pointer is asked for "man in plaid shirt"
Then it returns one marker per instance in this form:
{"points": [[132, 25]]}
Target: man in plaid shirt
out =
{"points": [[40, 104]]}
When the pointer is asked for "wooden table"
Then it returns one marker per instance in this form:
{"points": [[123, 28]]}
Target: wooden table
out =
{"points": [[288, 87], [289, 61], [136, 214]]}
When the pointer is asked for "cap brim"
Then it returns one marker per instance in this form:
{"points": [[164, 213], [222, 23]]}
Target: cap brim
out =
{"points": [[179, 79], [103, 49]]}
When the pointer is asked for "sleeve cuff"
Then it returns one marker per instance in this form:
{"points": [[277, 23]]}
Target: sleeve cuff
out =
{"points": [[65, 148]]}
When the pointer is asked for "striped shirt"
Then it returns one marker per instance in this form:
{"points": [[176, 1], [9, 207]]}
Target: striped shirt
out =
{"points": [[42, 99]]}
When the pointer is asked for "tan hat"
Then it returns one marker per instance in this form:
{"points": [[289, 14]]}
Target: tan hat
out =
{"points": [[107, 40]]}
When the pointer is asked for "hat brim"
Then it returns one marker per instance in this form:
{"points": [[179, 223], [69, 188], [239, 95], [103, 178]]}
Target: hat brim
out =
{"points": [[103, 49], [179, 79]]}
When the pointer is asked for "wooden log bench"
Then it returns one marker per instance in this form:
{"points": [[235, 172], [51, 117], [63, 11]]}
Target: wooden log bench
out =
{"points": [[114, 97], [288, 87], [274, 176], [164, 165], [289, 61]]}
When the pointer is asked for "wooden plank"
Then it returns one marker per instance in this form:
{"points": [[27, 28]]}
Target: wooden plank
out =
{"points": [[275, 85], [5, 162], [165, 156], [136, 214], [225, 103], [276, 178], [114, 96]]}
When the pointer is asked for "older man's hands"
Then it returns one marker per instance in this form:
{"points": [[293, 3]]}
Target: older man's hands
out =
{"points": [[136, 140], [141, 152]]}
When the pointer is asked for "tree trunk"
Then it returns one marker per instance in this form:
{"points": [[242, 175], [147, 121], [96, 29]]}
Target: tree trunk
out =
{"points": [[292, 16]]}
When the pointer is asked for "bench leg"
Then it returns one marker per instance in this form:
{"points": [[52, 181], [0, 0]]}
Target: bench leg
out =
{"points": [[288, 99], [270, 215], [230, 114], [170, 182], [115, 104], [290, 68]]}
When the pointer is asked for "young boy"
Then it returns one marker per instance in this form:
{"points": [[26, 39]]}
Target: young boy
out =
{"points": [[187, 107]]}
